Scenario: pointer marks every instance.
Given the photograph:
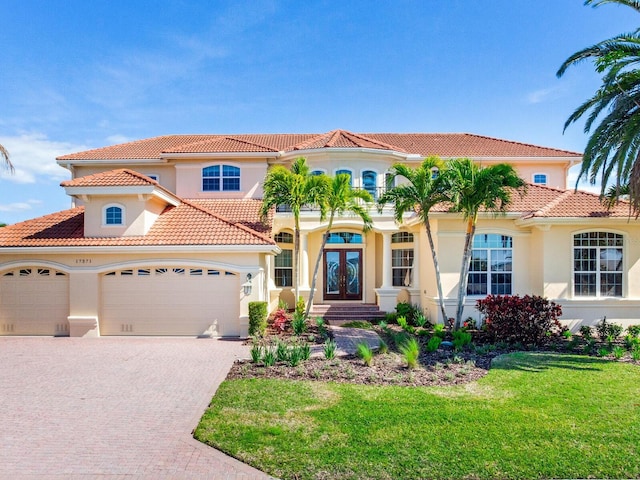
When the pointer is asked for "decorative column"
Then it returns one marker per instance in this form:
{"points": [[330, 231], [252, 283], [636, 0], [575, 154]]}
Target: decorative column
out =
{"points": [[304, 260], [387, 277]]}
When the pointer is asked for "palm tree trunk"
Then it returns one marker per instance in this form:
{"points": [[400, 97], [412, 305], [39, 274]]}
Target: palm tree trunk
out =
{"points": [[464, 270], [436, 266], [296, 261]]}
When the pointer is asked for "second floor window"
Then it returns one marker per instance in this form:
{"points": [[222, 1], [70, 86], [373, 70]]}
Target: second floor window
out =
{"points": [[540, 178], [217, 178], [113, 216], [369, 183]]}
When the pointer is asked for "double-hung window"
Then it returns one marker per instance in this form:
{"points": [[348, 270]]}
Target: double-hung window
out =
{"points": [[597, 264], [218, 178], [490, 271], [283, 271], [402, 259]]}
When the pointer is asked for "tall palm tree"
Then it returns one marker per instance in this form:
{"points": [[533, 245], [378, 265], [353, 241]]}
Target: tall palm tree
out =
{"points": [[422, 191], [6, 162], [613, 148], [296, 188], [340, 199], [472, 188]]}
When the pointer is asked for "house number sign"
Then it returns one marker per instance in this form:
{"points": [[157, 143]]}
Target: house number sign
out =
{"points": [[83, 260]]}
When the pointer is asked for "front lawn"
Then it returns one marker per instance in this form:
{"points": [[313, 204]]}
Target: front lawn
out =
{"points": [[535, 415]]}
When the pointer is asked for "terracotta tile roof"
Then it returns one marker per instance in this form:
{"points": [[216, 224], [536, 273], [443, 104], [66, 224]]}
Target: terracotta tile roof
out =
{"points": [[244, 211], [544, 202], [424, 144], [113, 178], [344, 139], [185, 224]]}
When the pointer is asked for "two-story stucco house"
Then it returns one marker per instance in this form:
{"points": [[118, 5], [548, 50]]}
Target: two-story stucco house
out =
{"points": [[164, 238]]}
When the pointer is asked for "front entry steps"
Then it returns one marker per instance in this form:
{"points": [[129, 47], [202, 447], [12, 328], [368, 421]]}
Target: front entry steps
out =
{"points": [[341, 313]]}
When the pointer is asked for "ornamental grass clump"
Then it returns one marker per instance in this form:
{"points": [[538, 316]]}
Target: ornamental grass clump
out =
{"points": [[411, 352], [433, 344], [365, 352], [256, 353]]}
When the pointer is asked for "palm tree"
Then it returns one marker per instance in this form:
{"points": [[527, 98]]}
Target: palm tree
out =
{"points": [[422, 191], [472, 188], [4, 154], [613, 148], [295, 188], [340, 199]]}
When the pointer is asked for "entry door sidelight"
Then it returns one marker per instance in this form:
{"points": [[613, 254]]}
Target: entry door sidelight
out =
{"points": [[343, 274]]}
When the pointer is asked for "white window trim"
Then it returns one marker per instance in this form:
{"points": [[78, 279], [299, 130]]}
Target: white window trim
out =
{"points": [[123, 211], [489, 271], [546, 179], [625, 267], [221, 165]]}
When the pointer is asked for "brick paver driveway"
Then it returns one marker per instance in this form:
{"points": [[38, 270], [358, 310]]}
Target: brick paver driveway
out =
{"points": [[111, 408]]}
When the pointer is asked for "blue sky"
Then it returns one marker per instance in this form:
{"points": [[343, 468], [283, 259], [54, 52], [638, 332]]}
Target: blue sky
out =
{"points": [[80, 74]]}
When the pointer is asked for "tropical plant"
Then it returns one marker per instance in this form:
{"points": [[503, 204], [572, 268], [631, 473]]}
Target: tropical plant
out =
{"points": [[421, 192], [433, 344], [472, 188], [296, 188], [339, 199], [613, 147], [6, 161], [365, 352], [330, 349], [411, 352]]}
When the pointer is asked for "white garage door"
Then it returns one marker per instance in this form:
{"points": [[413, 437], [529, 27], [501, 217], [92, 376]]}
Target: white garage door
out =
{"points": [[34, 301], [170, 300]]}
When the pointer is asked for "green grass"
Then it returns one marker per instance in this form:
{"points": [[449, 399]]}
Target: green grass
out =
{"points": [[533, 416], [358, 324]]}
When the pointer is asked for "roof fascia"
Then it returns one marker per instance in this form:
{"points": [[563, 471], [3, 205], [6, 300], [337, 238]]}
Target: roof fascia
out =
{"points": [[564, 159], [66, 163], [542, 221], [161, 193], [204, 155], [270, 249]]}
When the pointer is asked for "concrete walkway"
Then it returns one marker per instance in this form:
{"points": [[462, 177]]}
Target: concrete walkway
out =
{"points": [[111, 408], [347, 340]]}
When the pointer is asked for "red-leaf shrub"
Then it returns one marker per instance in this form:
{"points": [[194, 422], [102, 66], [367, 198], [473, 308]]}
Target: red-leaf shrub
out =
{"points": [[511, 318], [280, 319]]}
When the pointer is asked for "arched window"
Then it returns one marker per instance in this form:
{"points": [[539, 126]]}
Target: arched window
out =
{"points": [[344, 237], [491, 266], [346, 172], [113, 215], [597, 264], [402, 237], [540, 178], [370, 183], [218, 178]]}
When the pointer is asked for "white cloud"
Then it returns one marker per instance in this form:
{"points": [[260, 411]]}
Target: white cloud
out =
{"points": [[33, 156], [584, 184], [19, 206], [117, 138], [542, 95]]}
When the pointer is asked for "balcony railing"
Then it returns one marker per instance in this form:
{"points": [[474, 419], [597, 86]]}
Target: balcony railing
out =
{"points": [[375, 193]]}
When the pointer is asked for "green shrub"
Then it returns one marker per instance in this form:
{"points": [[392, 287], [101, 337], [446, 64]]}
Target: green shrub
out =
{"points": [[257, 319], [383, 347], [329, 349], [391, 317], [256, 353], [411, 352], [364, 351], [438, 330], [421, 320], [402, 321], [433, 344], [603, 352], [269, 357], [630, 341], [294, 356], [461, 339], [301, 306], [298, 324], [635, 353], [634, 330], [608, 331], [306, 351], [512, 318], [587, 332], [322, 327], [567, 334], [618, 352], [281, 352]]}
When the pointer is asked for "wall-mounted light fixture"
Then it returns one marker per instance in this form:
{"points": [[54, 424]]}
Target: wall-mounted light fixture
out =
{"points": [[247, 285]]}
